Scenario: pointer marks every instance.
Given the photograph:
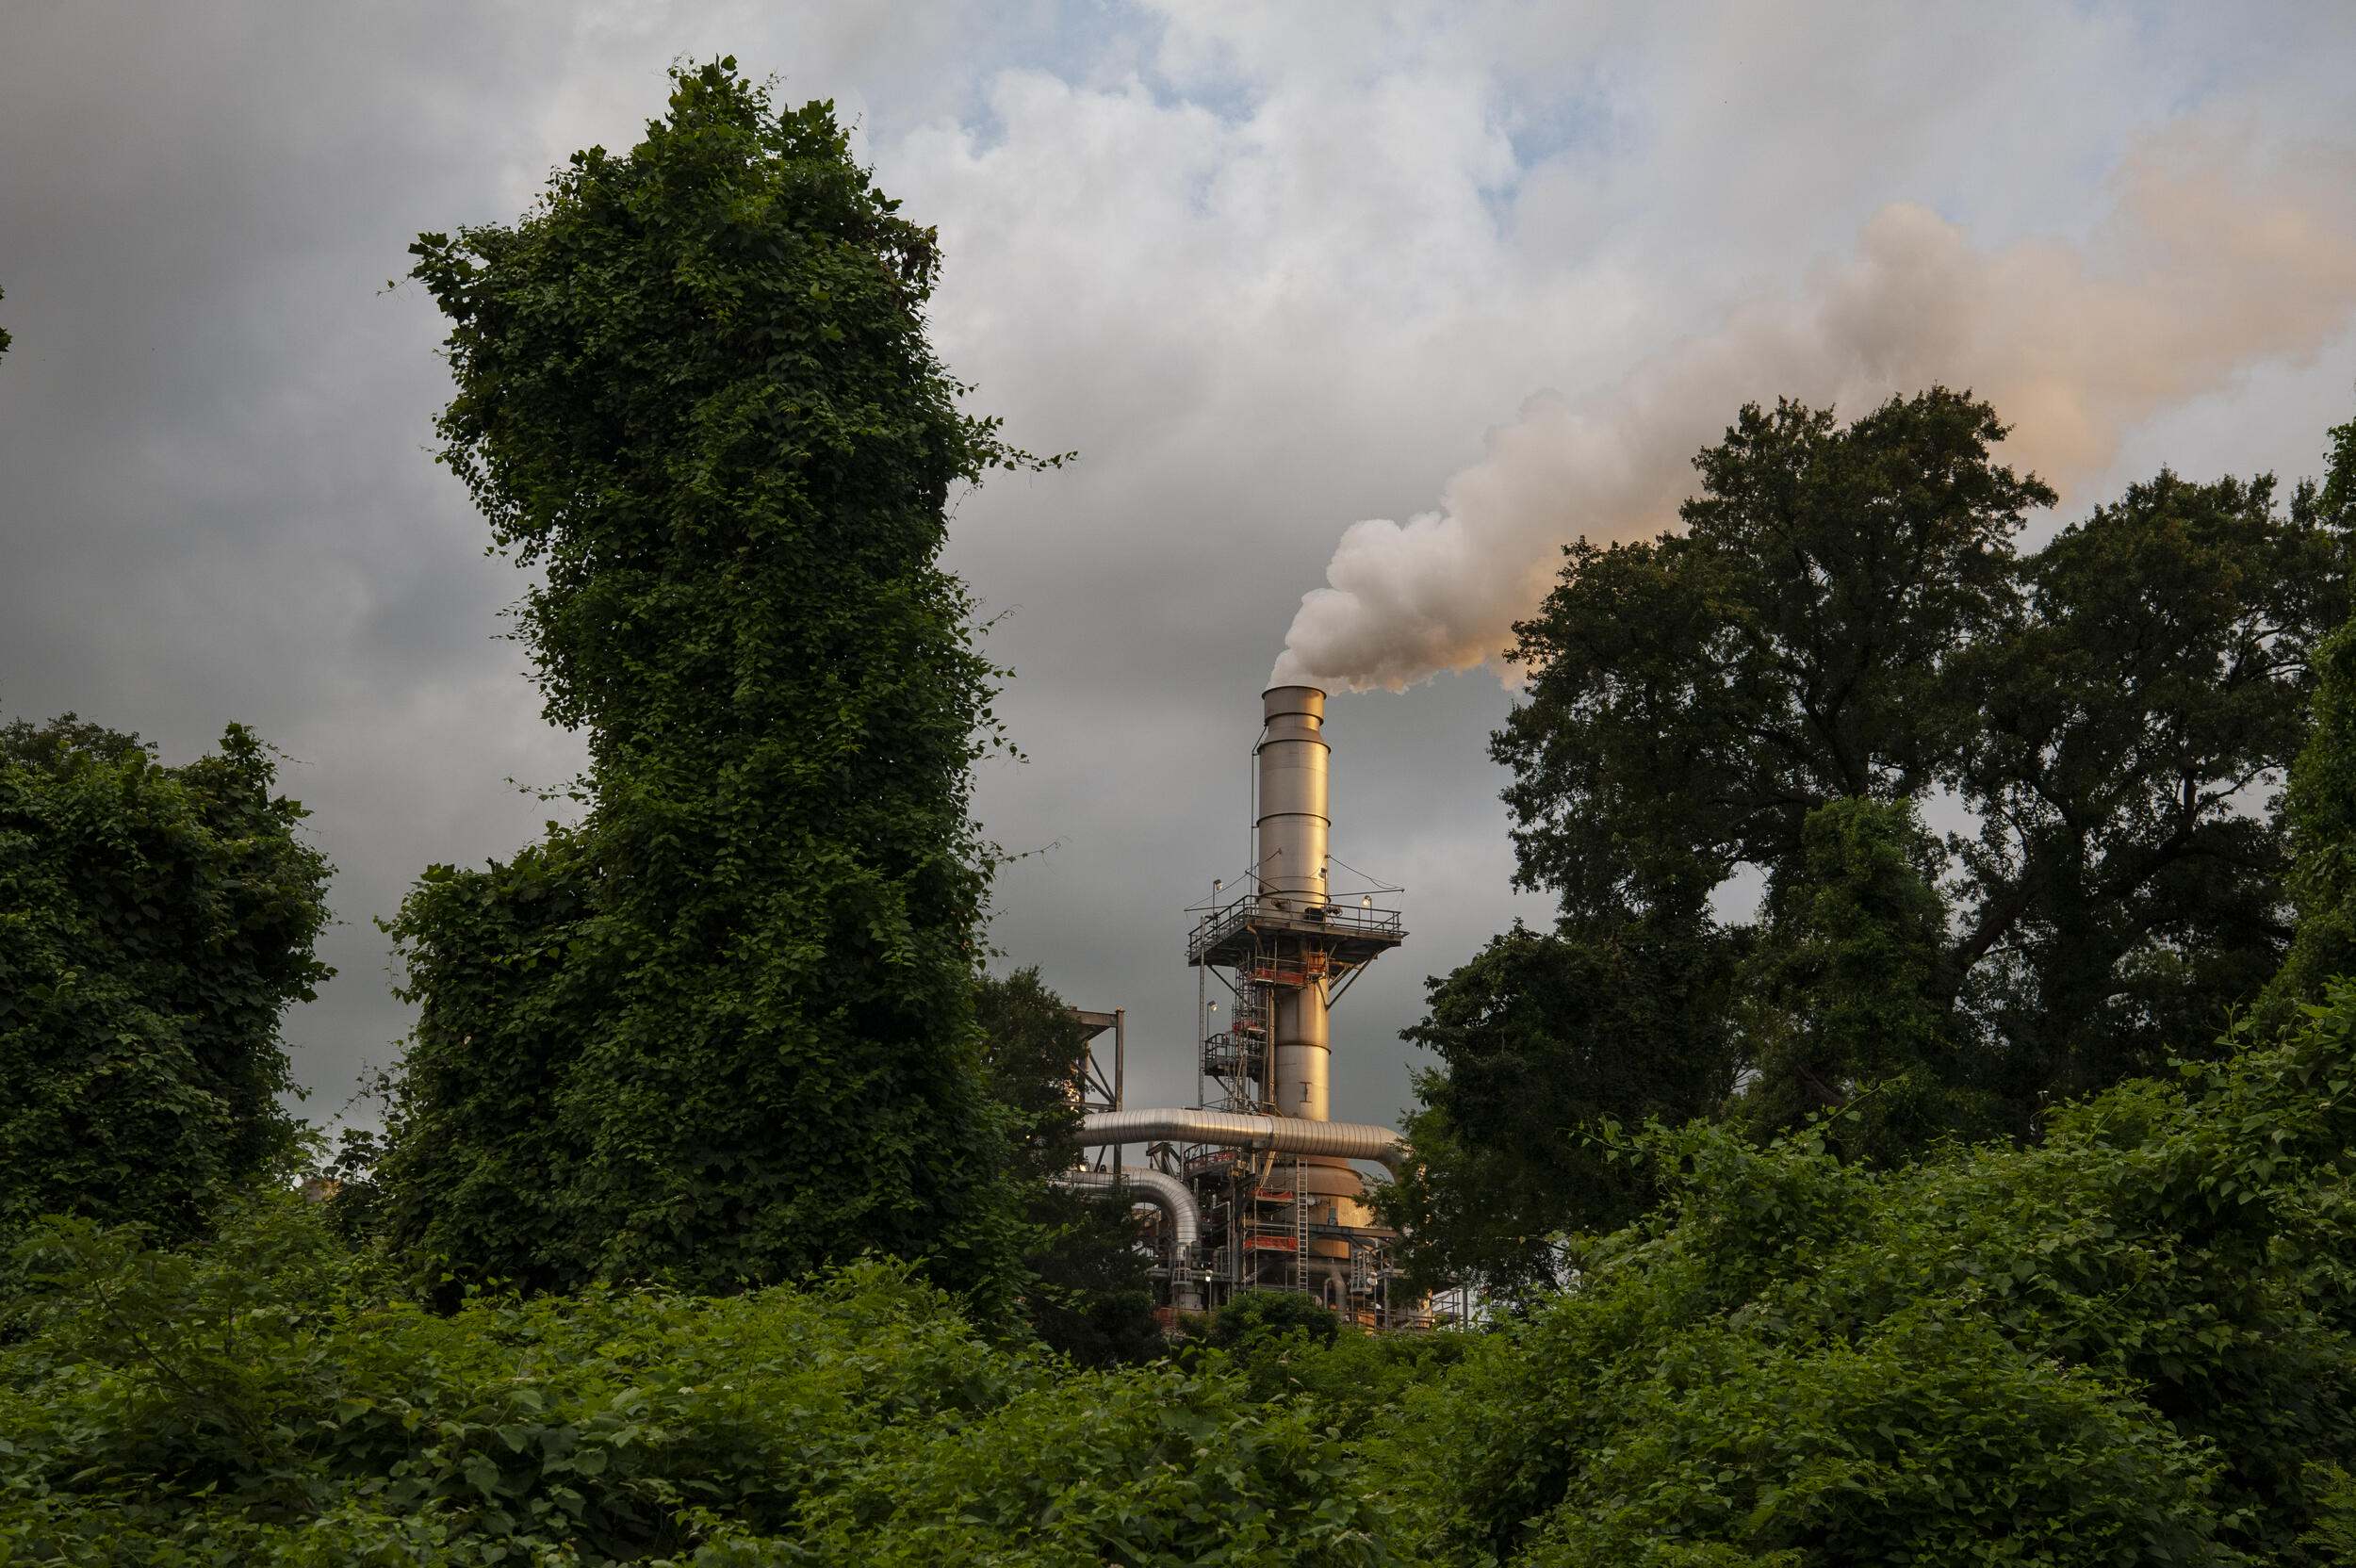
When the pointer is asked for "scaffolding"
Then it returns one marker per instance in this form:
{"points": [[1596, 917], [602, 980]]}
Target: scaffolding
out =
{"points": [[1271, 959], [1267, 1224]]}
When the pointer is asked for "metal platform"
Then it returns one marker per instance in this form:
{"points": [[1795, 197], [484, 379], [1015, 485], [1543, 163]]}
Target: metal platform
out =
{"points": [[1350, 933]]}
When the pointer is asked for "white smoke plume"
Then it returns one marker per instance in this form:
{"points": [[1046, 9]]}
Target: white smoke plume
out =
{"points": [[2204, 268]]}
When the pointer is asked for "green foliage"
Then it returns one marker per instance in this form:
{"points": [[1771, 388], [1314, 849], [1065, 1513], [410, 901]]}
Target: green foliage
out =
{"points": [[1033, 1054], [1356, 1382], [2132, 1342], [1844, 617], [264, 1399], [481, 1158], [1089, 1289], [2121, 896], [1087, 1292], [1694, 697], [1260, 1318], [2333, 1536], [1844, 624], [2320, 803], [2322, 806], [1539, 1037], [1287, 1347], [722, 1031], [1844, 1001], [154, 923]]}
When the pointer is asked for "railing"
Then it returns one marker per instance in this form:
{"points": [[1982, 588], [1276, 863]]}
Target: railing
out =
{"points": [[1355, 920], [1226, 1055]]}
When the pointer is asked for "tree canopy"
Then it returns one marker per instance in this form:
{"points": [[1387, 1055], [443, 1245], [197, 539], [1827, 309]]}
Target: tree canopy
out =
{"points": [[722, 1030], [1843, 647], [2320, 803], [155, 925], [1538, 1039]]}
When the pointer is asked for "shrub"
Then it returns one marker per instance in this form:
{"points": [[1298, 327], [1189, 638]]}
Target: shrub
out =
{"points": [[267, 1397], [2129, 1344]]}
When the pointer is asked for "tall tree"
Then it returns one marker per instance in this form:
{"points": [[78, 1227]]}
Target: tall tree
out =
{"points": [[724, 1030], [2126, 887], [1540, 1039], [1844, 622], [155, 925], [1694, 698], [2320, 801], [1841, 1007]]}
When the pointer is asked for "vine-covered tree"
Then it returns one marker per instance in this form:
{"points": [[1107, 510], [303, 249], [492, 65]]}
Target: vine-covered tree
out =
{"points": [[154, 923], [1844, 622], [723, 1030]]}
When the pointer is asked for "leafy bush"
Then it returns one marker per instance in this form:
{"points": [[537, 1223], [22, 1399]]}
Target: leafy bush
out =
{"points": [[2131, 1344], [1353, 1380], [267, 1399], [1268, 1316], [1541, 1033]]}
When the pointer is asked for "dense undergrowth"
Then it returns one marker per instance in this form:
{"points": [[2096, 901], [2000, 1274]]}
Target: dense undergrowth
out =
{"points": [[2129, 1344], [266, 1399]]}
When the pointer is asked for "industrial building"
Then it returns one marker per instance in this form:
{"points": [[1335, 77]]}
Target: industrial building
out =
{"points": [[1254, 1186]]}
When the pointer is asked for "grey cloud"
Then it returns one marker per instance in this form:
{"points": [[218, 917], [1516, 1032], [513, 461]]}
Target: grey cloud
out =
{"points": [[2206, 268], [1270, 268]]}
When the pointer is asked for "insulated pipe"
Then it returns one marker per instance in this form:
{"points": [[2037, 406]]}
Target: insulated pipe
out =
{"points": [[1169, 1194], [1165, 1193], [1294, 823], [1348, 1140]]}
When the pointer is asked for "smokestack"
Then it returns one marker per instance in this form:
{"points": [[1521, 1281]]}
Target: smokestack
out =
{"points": [[1290, 865], [1293, 821], [1293, 1214]]}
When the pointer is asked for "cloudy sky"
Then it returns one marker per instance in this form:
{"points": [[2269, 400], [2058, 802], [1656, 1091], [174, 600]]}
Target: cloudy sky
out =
{"points": [[1384, 301]]}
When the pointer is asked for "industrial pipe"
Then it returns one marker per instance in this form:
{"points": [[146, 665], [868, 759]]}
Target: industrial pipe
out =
{"points": [[1285, 1134], [1169, 1194]]}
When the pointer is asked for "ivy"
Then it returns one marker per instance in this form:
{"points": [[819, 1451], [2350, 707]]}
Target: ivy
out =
{"points": [[722, 1031]]}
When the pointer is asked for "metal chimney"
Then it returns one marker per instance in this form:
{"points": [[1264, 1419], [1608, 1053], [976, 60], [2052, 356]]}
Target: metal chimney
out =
{"points": [[1284, 1206], [1290, 854]]}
